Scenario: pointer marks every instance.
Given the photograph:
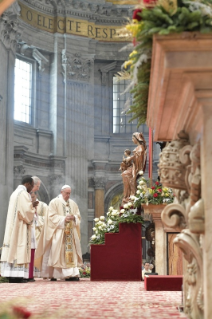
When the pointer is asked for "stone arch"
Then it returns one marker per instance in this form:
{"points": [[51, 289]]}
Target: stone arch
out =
{"points": [[111, 193]]}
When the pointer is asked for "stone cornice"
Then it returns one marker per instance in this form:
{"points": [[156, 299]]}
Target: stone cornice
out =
{"points": [[98, 12]]}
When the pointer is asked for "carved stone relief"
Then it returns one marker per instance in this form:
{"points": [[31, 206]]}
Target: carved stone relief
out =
{"points": [[89, 10], [19, 171], [9, 31], [77, 67], [179, 168], [100, 182]]}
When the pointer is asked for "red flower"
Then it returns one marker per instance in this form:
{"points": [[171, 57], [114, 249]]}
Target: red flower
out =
{"points": [[84, 273], [150, 1], [157, 183], [159, 190], [153, 187], [21, 312], [155, 195], [137, 16]]}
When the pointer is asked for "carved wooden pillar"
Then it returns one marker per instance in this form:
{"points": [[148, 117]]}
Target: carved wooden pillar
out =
{"points": [[160, 246], [206, 153]]}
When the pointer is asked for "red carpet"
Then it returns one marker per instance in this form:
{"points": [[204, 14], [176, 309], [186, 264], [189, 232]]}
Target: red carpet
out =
{"points": [[87, 299], [120, 257], [163, 283]]}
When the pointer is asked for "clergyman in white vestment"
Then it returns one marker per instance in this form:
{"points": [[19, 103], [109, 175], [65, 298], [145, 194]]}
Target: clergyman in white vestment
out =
{"points": [[19, 236], [59, 249]]}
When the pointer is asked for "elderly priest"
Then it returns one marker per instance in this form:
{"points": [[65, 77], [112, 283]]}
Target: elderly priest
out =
{"points": [[16, 251], [59, 244]]}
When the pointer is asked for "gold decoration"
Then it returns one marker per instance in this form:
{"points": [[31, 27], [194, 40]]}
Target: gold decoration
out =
{"points": [[70, 25]]}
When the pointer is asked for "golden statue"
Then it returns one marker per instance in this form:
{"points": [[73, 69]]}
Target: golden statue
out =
{"points": [[132, 164]]}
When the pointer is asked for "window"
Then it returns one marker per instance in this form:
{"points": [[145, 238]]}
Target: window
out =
{"points": [[120, 118], [23, 91]]}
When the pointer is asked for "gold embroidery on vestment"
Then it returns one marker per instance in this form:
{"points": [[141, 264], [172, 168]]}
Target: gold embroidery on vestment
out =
{"points": [[69, 240]]}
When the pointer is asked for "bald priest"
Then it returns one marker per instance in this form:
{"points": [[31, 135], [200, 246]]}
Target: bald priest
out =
{"points": [[59, 251], [18, 249]]}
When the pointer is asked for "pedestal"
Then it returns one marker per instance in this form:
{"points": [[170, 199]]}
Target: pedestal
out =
{"points": [[120, 257], [160, 237]]}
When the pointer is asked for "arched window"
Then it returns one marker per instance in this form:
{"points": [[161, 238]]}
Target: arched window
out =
{"points": [[23, 91]]}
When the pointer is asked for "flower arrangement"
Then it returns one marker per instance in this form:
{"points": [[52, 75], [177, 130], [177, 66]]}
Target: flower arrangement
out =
{"points": [[156, 194], [85, 273], [158, 17], [110, 224]]}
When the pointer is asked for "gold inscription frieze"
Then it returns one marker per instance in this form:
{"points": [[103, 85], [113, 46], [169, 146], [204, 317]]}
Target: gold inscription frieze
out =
{"points": [[70, 25]]}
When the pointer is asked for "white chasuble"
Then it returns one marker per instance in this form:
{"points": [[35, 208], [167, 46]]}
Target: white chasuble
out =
{"points": [[59, 243], [16, 250], [41, 210]]}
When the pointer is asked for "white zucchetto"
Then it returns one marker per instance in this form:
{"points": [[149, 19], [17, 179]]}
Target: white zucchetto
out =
{"points": [[65, 186]]}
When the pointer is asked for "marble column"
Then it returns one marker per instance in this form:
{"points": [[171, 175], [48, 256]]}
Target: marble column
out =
{"points": [[99, 196]]}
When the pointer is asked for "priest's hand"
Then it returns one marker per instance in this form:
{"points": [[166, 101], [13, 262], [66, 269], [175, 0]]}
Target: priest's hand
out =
{"points": [[69, 218], [35, 204]]}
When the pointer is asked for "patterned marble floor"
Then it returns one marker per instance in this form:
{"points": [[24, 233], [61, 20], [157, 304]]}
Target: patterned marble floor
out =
{"points": [[87, 299]]}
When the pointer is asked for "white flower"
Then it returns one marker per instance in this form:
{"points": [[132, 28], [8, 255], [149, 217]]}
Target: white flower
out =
{"points": [[125, 205], [139, 187], [110, 221], [108, 213], [138, 192], [96, 219], [93, 237], [141, 182], [132, 197], [114, 213], [98, 223], [122, 211], [129, 204], [111, 208], [112, 227], [102, 218], [100, 227], [125, 215], [134, 211], [94, 228], [140, 172]]}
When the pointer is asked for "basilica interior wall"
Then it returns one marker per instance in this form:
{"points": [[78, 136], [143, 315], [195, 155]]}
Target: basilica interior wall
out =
{"points": [[70, 139]]}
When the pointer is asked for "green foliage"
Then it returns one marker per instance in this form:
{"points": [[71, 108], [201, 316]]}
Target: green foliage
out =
{"points": [[158, 20], [85, 273], [155, 194], [131, 218], [3, 280]]}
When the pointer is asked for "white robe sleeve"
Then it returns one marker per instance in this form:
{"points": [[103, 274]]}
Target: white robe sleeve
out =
{"points": [[77, 221], [62, 223]]}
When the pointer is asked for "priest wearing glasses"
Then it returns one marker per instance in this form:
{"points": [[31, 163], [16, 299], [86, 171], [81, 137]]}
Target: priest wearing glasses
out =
{"points": [[59, 244]]}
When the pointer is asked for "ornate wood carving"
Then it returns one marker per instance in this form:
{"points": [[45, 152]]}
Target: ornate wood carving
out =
{"points": [[179, 168]]}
